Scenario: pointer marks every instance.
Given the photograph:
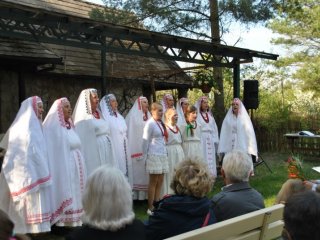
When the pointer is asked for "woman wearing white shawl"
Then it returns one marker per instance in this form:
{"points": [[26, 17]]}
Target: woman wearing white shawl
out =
{"points": [[66, 164], [94, 131], [25, 177], [237, 131], [118, 134], [181, 108], [209, 133], [136, 120]]}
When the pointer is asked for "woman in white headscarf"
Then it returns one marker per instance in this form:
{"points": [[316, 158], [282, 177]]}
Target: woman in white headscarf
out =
{"points": [[118, 134], [237, 131], [25, 177], [181, 107], [66, 164], [136, 120], [94, 131], [209, 133]]}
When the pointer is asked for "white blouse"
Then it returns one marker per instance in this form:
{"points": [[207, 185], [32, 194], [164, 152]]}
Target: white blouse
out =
{"points": [[153, 138]]}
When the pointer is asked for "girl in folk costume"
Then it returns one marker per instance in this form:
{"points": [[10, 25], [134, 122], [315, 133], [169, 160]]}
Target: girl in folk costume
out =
{"points": [[94, 131], [174, 148], [191, 136], [66, 163], [209, 134], [154, 149], [118, 134], [182, 106], [25, 177], [136, 120], [237, 131]]}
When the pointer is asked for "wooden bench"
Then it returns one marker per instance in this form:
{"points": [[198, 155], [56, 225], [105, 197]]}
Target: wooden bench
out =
{"points": [[262, 224]]}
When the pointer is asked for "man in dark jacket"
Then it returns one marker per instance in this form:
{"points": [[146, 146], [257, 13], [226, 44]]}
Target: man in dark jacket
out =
{"points": [[236, 197]]}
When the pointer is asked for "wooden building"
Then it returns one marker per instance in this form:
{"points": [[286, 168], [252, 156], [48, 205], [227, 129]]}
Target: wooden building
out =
{"points": [[52, 71]]}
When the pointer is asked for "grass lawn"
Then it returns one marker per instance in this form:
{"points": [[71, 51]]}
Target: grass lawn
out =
{"points": [[267, 183]]}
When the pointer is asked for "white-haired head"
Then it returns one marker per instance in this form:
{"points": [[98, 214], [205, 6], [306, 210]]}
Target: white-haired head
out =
{"points": [[237, 166], [107, 200]]}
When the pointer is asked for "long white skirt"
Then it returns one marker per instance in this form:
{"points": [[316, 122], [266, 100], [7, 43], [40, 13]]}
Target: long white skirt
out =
{"points": [[193, 150], [175, 155], [77, 175], [209, 152], [31, 214]]}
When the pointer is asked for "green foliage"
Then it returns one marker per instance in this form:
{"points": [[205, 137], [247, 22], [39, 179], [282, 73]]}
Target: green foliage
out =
{"points": [[298, 23], [187, 18]]}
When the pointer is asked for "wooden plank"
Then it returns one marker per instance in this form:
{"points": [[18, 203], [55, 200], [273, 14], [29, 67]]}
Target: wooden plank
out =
{"points": [[234, 226]]}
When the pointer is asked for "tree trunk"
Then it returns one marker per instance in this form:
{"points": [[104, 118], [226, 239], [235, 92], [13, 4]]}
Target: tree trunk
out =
{"points": [[219, 110]]}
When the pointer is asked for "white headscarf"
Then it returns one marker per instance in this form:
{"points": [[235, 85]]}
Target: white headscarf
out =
{"points": [[82, 109], [136, 120], [83, 121], [181, 118], [164, 101], [246, 138], [212, 121], [118, 135], [25, 164], [55, 132]]}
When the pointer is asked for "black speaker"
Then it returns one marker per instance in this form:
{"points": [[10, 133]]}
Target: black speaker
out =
{"points": [[251, 94]]}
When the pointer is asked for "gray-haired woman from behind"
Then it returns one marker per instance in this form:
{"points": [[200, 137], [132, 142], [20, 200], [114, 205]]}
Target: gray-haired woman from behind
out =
{"points": [[107, 204]]}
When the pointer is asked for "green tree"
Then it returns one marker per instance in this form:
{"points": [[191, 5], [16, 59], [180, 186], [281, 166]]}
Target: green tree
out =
{"points": [[298, 26]]}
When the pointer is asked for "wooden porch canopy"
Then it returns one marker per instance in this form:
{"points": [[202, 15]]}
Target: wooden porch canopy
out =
{"points": [[43, 26]]}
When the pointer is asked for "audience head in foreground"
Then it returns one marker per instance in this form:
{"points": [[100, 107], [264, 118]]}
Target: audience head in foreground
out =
{"points": [[302, 216], [107, 204], [237, 197], [189, 208]]}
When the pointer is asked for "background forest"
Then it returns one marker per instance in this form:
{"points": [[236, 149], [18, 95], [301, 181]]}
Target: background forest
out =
{"points": [[288, 88]]}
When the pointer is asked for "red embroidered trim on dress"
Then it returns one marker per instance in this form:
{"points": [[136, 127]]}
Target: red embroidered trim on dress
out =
{"points": [[27, 188]]}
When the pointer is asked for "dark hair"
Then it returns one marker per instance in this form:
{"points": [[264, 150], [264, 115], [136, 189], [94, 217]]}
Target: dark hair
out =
{"points": [[302, 216], [190, 109], [6, 224]]}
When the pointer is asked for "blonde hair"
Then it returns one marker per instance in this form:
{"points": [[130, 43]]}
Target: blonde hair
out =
{"points": [[107, 200], [168, 113], [192, 178], [290, 187]]}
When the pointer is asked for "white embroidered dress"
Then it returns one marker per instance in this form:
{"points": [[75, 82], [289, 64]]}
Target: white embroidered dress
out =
{"points": [[67, 167], [136, 120], [237, 133], [175, 155], [209, 138], [192, 144], [118, 136], [25, 177], [94, 134]]}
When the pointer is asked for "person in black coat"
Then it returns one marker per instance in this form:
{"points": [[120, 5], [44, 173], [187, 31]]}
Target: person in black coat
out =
{"points": [[107, 204], [237, 196], [189, 208]]}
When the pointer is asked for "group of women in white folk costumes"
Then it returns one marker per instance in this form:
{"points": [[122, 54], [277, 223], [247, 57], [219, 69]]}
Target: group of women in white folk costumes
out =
{"points": [[46, 164]]}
